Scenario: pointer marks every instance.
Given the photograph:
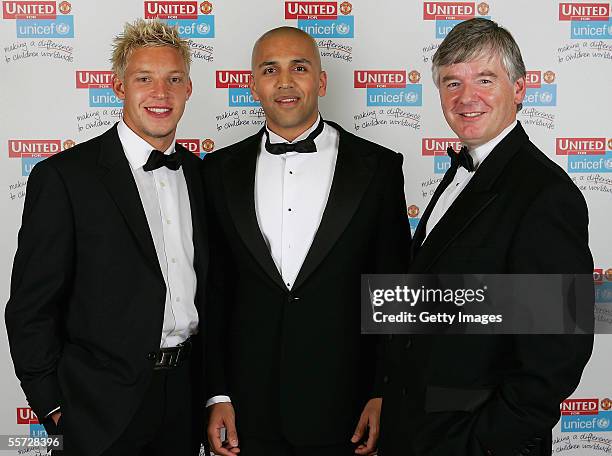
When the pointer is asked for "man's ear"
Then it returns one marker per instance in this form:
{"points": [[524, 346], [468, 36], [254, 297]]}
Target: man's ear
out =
{"points": [[322, 83], [118, 87], [520, 87]]}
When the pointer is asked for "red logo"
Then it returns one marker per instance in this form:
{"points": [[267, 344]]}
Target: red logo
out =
{"points": [[584, 11], [65, 7], [534, 79], [379, 78], [232, 78], [581, 146], [94, 79], [598, 276], [25, 415], [33, 147], [450, 10], [346, 8], [206, 7], [606, 404], [192, 145], [28, 10], [438, 146], [580, 407], [171, 10], [208, 145], [311, 10], [413, 210]]}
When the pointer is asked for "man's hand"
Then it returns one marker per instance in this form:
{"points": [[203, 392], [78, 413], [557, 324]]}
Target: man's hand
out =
{"points": [[56, 416], [222, 415], [370, 419]]}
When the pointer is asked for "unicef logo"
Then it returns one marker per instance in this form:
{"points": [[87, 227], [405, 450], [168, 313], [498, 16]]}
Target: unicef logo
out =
{"points": [[603, 423], [62, 28], [411, 97], [546, 97], [343, 29], [608, 163], [203, 29]]}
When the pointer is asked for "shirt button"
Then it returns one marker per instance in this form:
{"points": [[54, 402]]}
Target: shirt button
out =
{"points": [[162, 184], [168, 221], [173, 260], [288, 284], [290, 172], [289, 209]]}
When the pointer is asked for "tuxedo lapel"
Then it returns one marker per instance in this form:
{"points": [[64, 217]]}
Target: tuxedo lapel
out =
{"points": [[239, 182], [474, 199], [352, 175], [116, 175], [196, 202]]}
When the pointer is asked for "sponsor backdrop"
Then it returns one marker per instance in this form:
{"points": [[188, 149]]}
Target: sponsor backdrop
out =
{"points": [[54, 58]]}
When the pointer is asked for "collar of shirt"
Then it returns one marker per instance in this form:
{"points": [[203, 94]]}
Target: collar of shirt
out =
{"points": [[481, 152], [136, 149], [275, 139]]}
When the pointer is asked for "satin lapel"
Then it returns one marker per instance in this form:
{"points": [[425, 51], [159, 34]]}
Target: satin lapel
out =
{"points": [[239, 182], [474, 199], [195, 189], [352, 175], [116, 175]]}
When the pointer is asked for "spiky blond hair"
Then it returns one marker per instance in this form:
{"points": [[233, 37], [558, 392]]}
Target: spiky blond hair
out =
{"points": [[141, 33]]}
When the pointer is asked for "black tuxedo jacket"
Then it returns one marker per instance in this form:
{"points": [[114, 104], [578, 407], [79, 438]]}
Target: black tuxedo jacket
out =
{"points": [[293, 361], [87, 293], [491, 395]]}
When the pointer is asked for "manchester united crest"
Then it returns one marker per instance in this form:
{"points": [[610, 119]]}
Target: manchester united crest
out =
{"points": [[65, 7], [414, 76], [208, 145], [346, 8], [483, 9], [206, 7], [413, 210], [606, 404], [610, 143], [68, 144], [608, 274], [549, 77]]}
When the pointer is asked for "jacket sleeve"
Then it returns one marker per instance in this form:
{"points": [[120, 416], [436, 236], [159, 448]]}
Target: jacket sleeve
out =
{"points": [[40, 286]]}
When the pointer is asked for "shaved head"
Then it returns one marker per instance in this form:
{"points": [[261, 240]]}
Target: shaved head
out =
{"points": [[284, 32]]}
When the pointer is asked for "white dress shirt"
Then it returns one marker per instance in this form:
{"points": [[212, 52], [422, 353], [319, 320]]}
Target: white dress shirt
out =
{"points": [[461, 179], [165, 200], [291, 192]]}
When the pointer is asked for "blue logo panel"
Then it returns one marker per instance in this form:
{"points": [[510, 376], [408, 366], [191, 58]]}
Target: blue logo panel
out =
{"points": [[546, 95], [592, 30], [241, 96], [411, 95], [203, 27], [27, 163], [590, 163], [414, 222], [38, 430], [441, 164], [60, 27], [104, 98], [342, 27], [443, 26], [578, 423], [603, 293]]}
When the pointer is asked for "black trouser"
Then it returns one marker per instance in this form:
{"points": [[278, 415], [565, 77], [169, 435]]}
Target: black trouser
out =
{"points": [[164, 424], [250, 446]]}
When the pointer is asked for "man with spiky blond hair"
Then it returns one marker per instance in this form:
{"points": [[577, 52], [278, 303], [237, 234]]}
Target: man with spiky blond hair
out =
{"points": [[106, 295]]}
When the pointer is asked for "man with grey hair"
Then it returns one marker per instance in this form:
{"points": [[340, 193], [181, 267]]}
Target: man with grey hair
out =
{"points": [[106, 294], [503, 207]]}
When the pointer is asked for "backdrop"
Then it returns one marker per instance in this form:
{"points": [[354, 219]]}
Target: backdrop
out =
{"points": [[55, 92]]}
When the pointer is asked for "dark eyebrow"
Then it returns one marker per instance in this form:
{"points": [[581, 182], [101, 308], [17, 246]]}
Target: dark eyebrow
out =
{"points": [[482, 73], [294, 61]]}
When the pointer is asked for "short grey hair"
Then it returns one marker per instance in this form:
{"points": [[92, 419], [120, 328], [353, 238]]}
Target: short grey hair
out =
{"points": [[474, 38], [141, 33]]}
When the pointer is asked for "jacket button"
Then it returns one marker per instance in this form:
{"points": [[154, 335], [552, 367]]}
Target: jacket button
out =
{"points": [[151, 356], [386, 379]]}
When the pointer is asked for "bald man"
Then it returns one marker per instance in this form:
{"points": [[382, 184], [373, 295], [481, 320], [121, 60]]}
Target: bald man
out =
{"points": [[301, 209]]}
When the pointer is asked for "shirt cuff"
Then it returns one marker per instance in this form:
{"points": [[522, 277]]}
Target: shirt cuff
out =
{"points": [[217, 399], [56, 409]]}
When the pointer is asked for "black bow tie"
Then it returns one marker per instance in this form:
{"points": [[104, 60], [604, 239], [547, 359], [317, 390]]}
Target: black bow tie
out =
{"points": [[304, 146], [462, 158], [158, 159]]}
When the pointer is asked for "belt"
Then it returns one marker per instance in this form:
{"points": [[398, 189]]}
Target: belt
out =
{"points": [[171, 357]]}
